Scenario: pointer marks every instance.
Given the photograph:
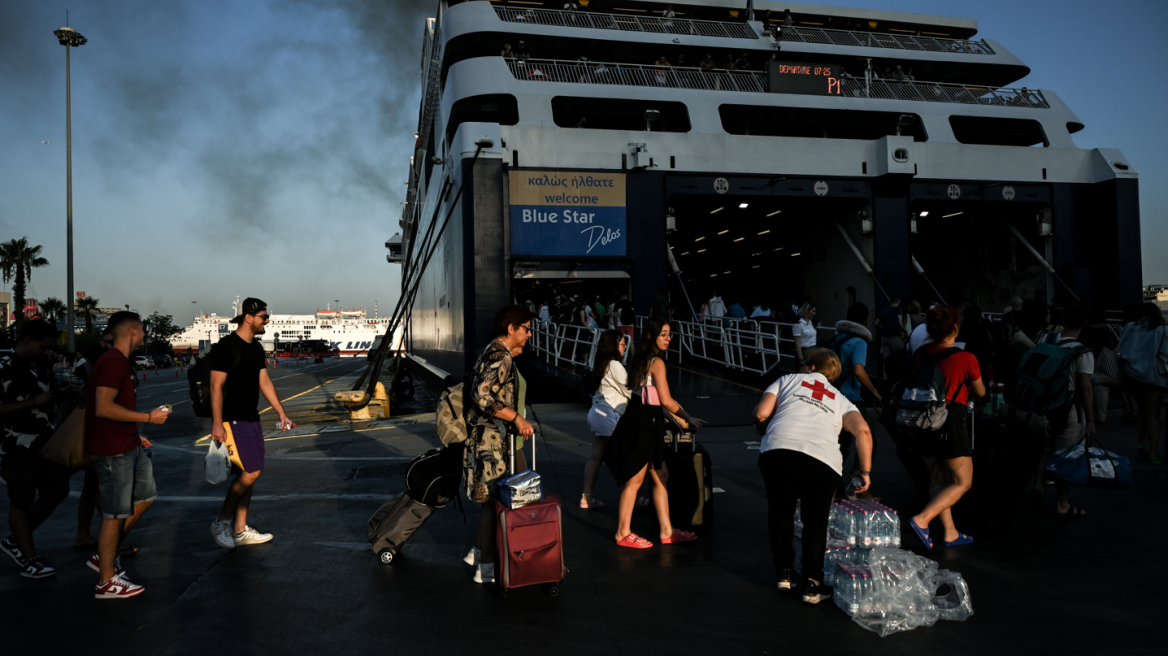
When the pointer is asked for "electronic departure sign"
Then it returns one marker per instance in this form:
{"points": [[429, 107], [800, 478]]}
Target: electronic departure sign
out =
{"points": [[808, 79]]}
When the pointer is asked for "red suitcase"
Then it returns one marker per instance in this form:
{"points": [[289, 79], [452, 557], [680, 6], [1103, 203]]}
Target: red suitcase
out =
{"points": [[531, 544]]}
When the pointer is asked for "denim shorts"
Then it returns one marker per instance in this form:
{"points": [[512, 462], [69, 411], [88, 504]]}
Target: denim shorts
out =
{"points": [[124, 481]]}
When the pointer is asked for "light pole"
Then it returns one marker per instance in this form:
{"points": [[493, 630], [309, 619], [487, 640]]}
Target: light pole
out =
{"points": [[195, 308], [69, 38]]}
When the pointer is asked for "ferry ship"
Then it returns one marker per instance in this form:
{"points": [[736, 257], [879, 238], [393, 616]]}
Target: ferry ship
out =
{"points": [[843, 155], [351, 332]]}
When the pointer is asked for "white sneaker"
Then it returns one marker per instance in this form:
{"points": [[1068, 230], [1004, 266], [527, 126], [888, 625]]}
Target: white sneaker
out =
{"points": [[485, 573], [251, 536], [222, 533], [472, 557]]}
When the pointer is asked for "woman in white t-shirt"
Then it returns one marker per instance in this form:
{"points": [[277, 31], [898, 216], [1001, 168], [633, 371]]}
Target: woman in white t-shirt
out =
{"points": [[804, 331], [609, 399], [800, 417]]}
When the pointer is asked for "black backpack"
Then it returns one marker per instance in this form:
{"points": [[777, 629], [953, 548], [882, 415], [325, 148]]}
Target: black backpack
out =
{"points": [[199, 380], [433, 478]]}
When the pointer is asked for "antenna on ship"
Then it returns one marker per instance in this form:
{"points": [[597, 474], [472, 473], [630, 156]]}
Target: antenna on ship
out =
{"points": [[375, 315]]}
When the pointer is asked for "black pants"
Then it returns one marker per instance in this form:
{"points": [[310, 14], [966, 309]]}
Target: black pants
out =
{"points": [[790, 476]]}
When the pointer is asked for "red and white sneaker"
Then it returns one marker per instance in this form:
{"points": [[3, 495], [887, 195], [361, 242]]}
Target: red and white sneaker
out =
{"points": [[94, 563], [117, 588]]}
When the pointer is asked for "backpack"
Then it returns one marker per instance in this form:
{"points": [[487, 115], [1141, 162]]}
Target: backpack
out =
{"points": [[433, 477], [923, 405], [450, 417], [199, 381], [1042, 383]]}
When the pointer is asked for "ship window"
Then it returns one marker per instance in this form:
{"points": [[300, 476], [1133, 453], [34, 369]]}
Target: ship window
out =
{"points": [[501, 108], [992, 131], [619, 114], [818, 123]]}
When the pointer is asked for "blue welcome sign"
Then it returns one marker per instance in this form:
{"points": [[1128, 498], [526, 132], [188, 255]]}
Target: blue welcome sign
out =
{"points": [[567, 213]]}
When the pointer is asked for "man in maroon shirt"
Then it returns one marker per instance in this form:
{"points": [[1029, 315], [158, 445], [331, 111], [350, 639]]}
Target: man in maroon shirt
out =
{"points": [[125, 476]]}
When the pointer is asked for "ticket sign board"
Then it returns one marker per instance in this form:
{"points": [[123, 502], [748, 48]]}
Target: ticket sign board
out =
{"points": [[568, 213], [808, 79]]}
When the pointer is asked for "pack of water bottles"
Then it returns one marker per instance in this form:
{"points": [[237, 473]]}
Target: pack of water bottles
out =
{"points": [[899, 591], [838, 552], [864, 523]]}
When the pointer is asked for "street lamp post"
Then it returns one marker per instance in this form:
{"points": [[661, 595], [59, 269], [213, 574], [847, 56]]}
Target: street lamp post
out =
{"points": [[69, 38]]}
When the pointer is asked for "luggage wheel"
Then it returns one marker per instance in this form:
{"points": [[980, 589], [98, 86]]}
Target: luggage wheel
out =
{"points": [[553, 589], [386, 556]]}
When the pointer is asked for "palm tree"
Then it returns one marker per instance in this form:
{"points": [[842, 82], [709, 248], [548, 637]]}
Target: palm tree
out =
{"points": [[52, 309], [87, 307], [17, 260]]}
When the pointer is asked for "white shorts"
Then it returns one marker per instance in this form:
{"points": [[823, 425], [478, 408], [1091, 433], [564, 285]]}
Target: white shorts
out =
{"points": [[602, 420]]}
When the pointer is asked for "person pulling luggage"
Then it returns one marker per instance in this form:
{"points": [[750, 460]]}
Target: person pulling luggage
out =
{"points": [[496, 409]]}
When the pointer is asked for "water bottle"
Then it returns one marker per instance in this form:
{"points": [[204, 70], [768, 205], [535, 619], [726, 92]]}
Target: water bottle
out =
{"points": [[280, 426], [856, 483]]}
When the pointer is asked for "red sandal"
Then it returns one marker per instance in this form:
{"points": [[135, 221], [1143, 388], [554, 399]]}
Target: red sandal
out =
{"points": [[634, 541], [679, 536]]}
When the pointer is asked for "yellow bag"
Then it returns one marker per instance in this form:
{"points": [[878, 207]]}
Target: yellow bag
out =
{"points": [[67, 445], [232, 452]]}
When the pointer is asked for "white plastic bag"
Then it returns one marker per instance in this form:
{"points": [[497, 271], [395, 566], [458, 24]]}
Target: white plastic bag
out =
{"points": [[217, 463]]}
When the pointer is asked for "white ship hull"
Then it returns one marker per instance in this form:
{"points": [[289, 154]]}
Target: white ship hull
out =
{"points": [[352, 335]]}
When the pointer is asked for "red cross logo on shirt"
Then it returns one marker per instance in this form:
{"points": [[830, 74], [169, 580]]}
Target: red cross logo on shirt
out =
{"points": [[818, 391]]}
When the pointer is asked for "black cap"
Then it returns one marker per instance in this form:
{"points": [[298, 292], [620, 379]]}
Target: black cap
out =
{"points": [[250, 306]]}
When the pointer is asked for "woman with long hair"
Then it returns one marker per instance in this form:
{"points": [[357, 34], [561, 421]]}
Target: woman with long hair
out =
{"points": [[1142, 351], [610, 398], [952, 444], [637, 445], [496, 422]]}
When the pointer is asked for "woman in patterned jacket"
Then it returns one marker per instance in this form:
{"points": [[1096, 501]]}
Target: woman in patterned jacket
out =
{"points": [[496, 409]]}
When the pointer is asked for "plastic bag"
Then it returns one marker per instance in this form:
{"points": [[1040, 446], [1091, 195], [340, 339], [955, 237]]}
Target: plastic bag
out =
{"points": [[522, 489], [896, 593], [217, 463], [951, 596]]}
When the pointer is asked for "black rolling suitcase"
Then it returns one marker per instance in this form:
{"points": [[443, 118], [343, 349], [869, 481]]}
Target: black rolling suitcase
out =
{"points": [[394, 522], [691, 480], [432, 481]]}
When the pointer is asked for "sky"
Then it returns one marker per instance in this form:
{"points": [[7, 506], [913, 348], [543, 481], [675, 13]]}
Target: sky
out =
{"points": [[261, 148]]}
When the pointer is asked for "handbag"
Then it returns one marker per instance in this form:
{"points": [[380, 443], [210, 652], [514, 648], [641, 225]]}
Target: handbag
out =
{"points": [[649, 390], [67, 445], [1083, 464], [1107, 369]]}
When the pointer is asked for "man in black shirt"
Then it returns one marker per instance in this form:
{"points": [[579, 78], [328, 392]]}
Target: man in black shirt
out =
{"points": [[35, 486], [238, 374]]}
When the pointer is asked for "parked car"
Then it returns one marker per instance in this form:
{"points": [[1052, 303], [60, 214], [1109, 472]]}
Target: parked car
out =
{"points": [[163, 360], [143, 362]]}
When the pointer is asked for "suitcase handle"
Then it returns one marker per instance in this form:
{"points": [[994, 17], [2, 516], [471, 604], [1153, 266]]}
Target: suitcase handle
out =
{"points": [[512, 445]]}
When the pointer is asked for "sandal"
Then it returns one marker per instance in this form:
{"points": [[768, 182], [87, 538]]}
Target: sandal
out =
{"points": [[679, 536], [588, 502], [634, 541], [961, 539], [1073, 511], [128, 551], [922, 533]]}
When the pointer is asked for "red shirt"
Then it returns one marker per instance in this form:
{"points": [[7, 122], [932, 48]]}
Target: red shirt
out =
{"points": [[106, 437], [959, 369]]}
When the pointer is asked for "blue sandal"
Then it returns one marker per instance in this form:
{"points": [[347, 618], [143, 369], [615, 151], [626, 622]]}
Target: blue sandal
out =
{"points": [[961, 539], [922, 533]]}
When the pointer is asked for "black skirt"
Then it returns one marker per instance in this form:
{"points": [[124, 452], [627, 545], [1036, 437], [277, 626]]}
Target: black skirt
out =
{"points": [[953, 440], [639, 439]]}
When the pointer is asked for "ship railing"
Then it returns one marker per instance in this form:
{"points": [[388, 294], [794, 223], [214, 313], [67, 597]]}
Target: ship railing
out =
{"points": [[626, 23], [641, 75], [920, 43], [637, 75]]}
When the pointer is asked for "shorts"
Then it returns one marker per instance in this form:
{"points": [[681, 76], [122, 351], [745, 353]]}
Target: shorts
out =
{"points": [[952, 441], [249, 443], [28, 474], [602, 420], [1073, 431], [124, 481]]}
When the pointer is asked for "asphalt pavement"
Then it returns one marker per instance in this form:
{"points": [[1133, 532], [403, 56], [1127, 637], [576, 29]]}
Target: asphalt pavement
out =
{"points": [[1048, 585]]}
